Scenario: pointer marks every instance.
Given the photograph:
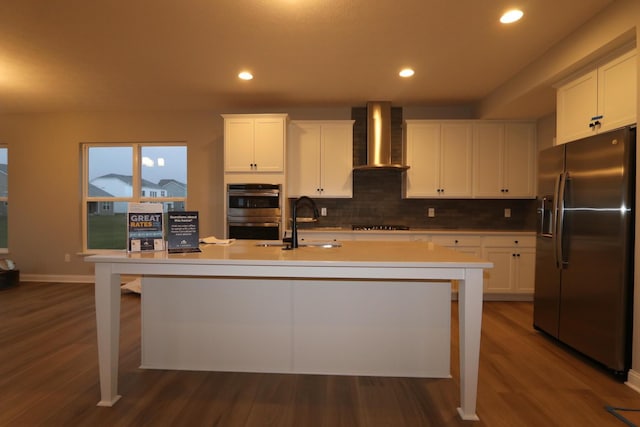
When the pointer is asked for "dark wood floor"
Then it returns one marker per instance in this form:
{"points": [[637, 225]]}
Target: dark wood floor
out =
{"points": [[49, 377]]}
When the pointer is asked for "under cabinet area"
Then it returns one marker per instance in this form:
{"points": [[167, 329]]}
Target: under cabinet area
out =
{"points": [[504, 159], [599, 100], [254, 142], [320, 158], [439, 156]]}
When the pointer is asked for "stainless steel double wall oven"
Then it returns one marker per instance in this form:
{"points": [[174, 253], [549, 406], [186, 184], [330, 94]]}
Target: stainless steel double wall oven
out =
{"points": [[254, 211]]}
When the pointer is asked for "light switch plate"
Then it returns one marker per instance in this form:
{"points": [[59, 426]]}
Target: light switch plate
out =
{"points": [[507, 212], [323, 211], [431, 212]]}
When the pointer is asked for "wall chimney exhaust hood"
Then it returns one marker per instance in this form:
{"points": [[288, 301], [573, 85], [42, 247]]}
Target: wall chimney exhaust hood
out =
{"points": [[379, 138]]}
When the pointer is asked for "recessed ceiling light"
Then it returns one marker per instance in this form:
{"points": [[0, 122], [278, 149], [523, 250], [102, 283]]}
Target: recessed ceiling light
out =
{"points": [[407, 72], [511, 16], [245, 75]]}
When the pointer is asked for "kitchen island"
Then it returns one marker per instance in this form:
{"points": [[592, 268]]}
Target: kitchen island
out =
{"points": [[308, 278]]}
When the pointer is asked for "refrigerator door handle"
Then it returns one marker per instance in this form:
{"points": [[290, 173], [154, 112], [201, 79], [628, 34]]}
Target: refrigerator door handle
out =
{"points": [[559, 212]]}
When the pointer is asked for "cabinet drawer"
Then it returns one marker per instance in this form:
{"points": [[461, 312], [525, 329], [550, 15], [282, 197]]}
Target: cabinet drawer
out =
{"points": [[457, 241], [510, 241]]}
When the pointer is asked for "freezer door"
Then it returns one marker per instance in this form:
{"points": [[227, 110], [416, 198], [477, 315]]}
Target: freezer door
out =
{"points": [[547, 281], [597, 247]]}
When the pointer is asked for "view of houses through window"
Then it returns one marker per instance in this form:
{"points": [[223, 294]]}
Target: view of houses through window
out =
{"points": [[117, 174], [4, 197]]}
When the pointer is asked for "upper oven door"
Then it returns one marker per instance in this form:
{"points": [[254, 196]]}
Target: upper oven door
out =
{"points": [[253, 200]]}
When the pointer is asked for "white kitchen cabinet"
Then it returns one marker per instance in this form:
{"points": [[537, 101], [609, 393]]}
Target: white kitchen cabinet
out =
{"points": [[254, 142], [461, 243], [598, 101], [513, 259], [504, 159], [320, 158], [439, 154]]}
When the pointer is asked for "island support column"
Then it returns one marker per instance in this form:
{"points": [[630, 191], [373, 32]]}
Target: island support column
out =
{"points": [[470, 322], [107, 296]]}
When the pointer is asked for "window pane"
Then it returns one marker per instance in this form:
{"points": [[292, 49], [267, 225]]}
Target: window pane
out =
{"points": [[110, 171], [106, 225], [164, 171], [4, 229], [4, 189]]}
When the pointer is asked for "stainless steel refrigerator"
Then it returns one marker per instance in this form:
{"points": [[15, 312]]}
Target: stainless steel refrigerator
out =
{"points": [[585, 237]]}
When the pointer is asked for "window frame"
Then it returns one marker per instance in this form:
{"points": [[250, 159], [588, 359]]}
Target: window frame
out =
{"points": [[136, 182]]}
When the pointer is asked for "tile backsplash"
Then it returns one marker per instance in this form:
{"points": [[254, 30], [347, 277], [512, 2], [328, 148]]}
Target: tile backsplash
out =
{"points": [[377, 199]]}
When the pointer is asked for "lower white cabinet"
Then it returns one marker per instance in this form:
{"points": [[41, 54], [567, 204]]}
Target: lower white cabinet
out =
{"points": [[513, 259], [465, 244], [513, 255], [461, 243]]}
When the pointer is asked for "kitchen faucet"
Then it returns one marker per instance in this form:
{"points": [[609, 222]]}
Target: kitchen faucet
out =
{"points": [[294, 219]]}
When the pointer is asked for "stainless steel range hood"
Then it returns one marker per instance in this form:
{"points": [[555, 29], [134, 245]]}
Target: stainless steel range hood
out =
{"points": [[379, 138]]}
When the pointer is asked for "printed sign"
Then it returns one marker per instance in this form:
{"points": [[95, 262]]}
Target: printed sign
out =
{"points": [[145, 230], [183, 233]]}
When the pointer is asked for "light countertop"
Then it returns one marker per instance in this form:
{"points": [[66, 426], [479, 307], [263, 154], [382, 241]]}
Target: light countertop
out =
{"points": [[350, 253]]}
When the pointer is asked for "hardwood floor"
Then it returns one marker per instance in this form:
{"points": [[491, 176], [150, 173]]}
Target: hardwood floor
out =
{"points": [[49, 377]]}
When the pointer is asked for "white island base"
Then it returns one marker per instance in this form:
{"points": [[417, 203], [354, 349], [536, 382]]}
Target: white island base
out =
{"points": [[300, 310], [376, 328]]}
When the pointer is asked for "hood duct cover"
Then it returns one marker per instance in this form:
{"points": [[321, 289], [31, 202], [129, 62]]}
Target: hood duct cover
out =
{"points": [[379, 138]]}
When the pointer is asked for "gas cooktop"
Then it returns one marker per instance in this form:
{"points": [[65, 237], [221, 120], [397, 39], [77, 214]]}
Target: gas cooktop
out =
{"points": [[379, 227]]}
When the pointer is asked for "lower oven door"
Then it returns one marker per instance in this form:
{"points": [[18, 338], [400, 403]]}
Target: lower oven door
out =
{"points": [[254, 230]]}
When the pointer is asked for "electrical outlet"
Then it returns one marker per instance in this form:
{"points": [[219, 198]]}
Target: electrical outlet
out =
{"points": [[507, 212], [323, 211], [67, 258], [431, 212]]}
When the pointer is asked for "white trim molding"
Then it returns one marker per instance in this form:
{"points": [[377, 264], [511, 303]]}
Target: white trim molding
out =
{"points": [[633, 380]]}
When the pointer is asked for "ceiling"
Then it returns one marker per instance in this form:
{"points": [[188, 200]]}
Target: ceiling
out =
{"points": [[110, 55]]}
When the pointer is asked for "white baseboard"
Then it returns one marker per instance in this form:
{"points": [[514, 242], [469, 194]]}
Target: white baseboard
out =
{"points": [[62, 278], [68, 278], [500, 297], [633, 380]]}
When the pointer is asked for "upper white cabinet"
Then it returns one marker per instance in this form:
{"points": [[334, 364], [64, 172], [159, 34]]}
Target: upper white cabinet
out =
{"points": [[599, 101], [254, 142], [320, 158], [439, 155], [504, 156]]}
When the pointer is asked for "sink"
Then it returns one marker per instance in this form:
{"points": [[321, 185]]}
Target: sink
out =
{"points": [[327, 244], [270, 243], [311, 244]]}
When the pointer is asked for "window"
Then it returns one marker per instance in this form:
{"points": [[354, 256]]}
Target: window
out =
{"points": [[116, 174], [4, 197]]}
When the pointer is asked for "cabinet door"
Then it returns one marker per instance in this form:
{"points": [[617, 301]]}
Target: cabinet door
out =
{"points": [[488, 160], [524, 274], [269, 145], [238, 145], [617, 92], [423, 157], [577, 104], [303, 160], [336, 160], [519, 160], [498, 278], [456, 152]]}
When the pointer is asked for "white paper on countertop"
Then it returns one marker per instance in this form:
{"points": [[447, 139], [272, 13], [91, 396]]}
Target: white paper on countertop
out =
{"points": [[212, 240]]}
